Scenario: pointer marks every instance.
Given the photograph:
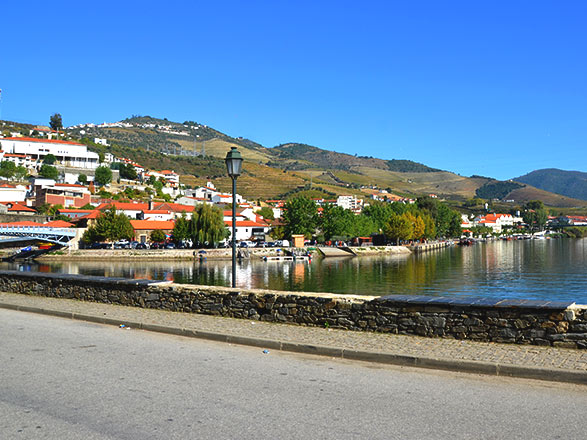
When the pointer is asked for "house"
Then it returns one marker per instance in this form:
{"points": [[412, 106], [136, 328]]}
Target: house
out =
{"points": [[496, 221], [176, 209], [12, 193], [64, 194], [158, 215], [75, 214], [203, 192], [144, 228], [17, 208], [133, 210], [223, 199], [247, 229], [192, 201]]}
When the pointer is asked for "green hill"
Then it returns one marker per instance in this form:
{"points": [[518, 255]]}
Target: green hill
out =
{"points": [[567, 183]]}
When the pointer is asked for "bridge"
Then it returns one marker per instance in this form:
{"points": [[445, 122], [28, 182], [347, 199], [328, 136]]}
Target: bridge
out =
{"points": [[16, 236]]}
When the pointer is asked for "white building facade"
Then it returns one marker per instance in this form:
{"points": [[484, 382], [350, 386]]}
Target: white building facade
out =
{"points": [[67, 153]]}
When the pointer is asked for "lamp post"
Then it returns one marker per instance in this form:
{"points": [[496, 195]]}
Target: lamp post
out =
{"points": [[234, 163]]}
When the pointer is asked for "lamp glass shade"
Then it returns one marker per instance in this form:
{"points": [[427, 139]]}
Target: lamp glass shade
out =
{"points": [[234, 162]]}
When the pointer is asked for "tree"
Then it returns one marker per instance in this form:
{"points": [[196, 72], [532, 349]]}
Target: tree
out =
{"points": [[267, 213], [206, 226], [56, 122], [300, 217], [109, 226], [101, 157], [181, 230], [336, 222], [82, 178], [379, 212], [49, 172], [127, 171], [157, 235], [399, 228], [7, 169], [20, 173], [50, 159], [535, 215], [103, 175]]}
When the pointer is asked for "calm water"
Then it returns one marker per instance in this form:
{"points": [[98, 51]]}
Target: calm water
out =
{"points": [[531, 269]]}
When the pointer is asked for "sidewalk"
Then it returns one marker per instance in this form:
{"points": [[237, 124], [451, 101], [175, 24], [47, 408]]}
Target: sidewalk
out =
{"points": [[544, 363]]}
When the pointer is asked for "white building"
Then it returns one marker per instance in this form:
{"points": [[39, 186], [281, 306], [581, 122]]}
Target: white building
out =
{"points": [[12, 193], [67, 153], [350, 202]]}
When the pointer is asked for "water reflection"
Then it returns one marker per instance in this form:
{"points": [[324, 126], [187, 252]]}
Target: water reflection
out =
{"points": [[541, 269]]}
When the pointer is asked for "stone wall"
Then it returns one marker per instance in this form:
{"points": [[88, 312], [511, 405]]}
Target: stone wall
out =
{"points": [[560, 324]]}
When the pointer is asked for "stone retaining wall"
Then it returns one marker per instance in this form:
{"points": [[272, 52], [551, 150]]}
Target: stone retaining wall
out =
{"points": [[560, 324]]}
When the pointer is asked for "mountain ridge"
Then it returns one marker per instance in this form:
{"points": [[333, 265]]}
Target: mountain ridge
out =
{"points": [[567, 183]]}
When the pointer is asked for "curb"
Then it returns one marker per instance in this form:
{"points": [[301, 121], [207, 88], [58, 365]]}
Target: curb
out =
{"points": [[460, 366]]}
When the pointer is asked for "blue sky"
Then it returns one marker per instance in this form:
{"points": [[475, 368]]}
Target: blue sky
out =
{"points": [[493, 88]]}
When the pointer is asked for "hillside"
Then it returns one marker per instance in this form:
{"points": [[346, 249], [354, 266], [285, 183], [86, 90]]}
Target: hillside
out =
{"points": [[567, 183], [197, 151]]}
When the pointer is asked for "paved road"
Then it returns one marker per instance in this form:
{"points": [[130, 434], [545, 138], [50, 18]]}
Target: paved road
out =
{"points": [[64, 379]]}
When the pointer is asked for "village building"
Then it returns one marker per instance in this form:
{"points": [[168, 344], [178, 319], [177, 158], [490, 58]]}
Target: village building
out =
{"points": [[68, 153], [66, 195], [144, 228]]}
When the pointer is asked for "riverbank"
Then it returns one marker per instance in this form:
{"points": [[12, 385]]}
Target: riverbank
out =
{"points": [[194, 254]]}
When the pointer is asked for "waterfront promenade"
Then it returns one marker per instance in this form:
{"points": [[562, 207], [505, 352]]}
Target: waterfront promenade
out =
{"points": [[545, 363]]}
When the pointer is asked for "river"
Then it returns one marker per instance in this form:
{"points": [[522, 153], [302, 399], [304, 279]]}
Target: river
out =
{"points": [[531, 269]]}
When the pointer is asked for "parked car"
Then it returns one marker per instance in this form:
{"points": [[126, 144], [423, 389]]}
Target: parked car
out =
{"points": [[142, 246]]}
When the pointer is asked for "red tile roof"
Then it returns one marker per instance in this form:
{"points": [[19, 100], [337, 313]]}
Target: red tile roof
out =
{"points": [[121, 206], [151, 224], [59, 224], [245, 223], [45, 141], [175, 207]]}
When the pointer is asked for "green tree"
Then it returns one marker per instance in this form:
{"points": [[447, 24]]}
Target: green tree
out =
{"points": [[110, 226], [101, 157], [7, 169], [336, 222], [157, 235], [429, 226], [379, 213], [103, 175], [300, 217], [56, 122], [206, 227], [399, 228], [49, 172], [535, 215], [181, 230], [20, 173], [127, 171], [82, 178], [447, 221], [50, 159], [267, 213]]}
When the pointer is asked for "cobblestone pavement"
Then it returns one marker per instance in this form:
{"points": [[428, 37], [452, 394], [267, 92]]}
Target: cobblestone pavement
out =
{"points": [[430, 348]]}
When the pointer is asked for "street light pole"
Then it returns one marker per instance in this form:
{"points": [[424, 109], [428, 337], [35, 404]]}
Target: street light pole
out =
{"points": [[234, 163]]}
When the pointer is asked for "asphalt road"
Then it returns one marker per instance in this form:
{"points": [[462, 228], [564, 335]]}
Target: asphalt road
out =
{"points": [[64, 379]]}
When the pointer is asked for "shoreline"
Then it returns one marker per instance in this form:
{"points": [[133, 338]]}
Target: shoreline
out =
{"points": [[194, 254]]}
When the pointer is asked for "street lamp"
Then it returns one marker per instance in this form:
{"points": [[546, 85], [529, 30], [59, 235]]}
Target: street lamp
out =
{"points": [[234, 163]]}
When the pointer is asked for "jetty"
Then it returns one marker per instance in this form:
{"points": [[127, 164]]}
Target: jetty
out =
{"points": [[342, 251]]}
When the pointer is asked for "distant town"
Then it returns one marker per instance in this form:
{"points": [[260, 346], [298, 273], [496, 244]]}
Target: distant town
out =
{"points": [[44, 174]]}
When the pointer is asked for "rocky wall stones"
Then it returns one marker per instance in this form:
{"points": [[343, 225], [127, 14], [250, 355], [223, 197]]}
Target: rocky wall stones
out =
{"points": [[508, 321]]}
